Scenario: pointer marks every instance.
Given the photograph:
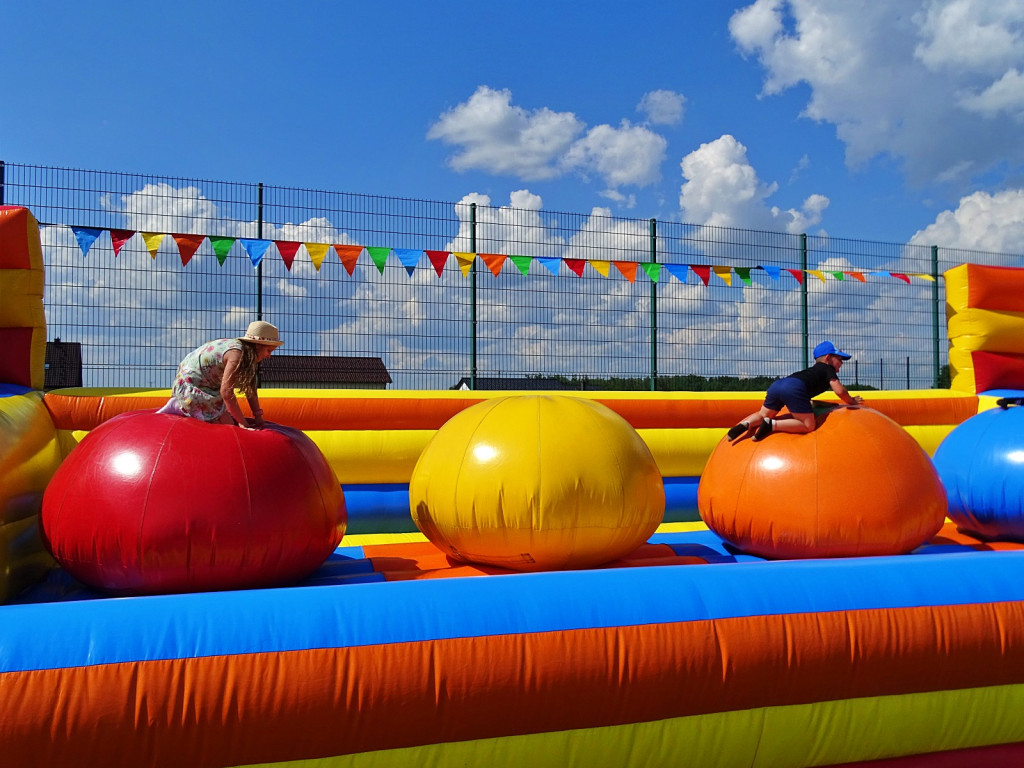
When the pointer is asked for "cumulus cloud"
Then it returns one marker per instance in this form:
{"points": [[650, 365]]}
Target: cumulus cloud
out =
{"points": [[491, 134], [982, 221], [722, 189], [662, 107], [929, 82]]}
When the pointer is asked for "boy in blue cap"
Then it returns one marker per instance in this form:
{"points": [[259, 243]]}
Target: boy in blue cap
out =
{"points": [[795, 392]]}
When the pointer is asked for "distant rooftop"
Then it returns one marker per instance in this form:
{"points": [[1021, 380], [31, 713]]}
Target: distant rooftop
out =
{"points": [[323, 369], [491, 383]]}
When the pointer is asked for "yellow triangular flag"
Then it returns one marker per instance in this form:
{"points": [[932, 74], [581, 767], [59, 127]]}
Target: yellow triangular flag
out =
{"points": [[602, 266], [725, 273], [924, 277], [465, 262], [817, 273], [153, 240], [317, 251]]}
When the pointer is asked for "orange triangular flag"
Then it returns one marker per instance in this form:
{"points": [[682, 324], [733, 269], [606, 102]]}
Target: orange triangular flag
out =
{"points": [[627, 268], [187, 246], [349, 254], [856, 276], [494, 262]]}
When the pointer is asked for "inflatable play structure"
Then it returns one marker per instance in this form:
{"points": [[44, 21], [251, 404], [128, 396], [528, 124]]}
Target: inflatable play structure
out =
{"points": [[521, 579]]}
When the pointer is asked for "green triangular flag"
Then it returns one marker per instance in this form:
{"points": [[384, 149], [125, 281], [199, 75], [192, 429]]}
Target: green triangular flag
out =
{"points": [[379, 256], [744, 273], [838, 275], [652, 268], [221, 246], [522, 263]]}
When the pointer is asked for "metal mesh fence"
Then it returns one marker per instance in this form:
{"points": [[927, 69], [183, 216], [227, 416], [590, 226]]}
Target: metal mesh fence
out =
{"points": [[585, 297]]}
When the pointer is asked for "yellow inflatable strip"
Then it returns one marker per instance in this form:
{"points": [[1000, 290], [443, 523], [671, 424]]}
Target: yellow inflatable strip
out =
{"points": [[823, 733]]}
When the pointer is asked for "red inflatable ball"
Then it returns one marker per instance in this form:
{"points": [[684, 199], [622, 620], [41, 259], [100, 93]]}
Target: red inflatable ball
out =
{"points": [[149, 503], [858, 485]]}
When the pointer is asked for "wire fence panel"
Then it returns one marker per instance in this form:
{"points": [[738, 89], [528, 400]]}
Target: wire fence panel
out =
{"points": [[445, 292]]}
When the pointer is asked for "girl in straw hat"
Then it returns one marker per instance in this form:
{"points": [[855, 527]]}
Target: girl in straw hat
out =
{"points": [[204, 387]]}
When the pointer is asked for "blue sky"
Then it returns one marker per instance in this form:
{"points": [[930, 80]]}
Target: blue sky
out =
{"points": [[893, 121]]}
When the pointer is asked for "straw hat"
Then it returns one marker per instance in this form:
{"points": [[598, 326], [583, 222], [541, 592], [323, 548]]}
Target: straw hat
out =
{"points": [[260, 332]]}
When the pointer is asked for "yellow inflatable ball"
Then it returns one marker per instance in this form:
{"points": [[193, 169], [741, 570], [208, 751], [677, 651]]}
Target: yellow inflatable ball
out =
{"points": [[537, 483]]}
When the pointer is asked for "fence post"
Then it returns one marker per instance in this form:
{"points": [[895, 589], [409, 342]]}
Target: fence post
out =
{"points": [[472, 297], [3, 173], [803, 299], [259, 267], [935, 316], [654, 307]]}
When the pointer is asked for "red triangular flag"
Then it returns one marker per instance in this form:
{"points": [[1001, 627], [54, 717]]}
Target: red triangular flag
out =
{"points": [[798, 274], [119, 237], [187, 246], [287, 249], [438, 259], [902, 277], [576, 265], [704, 273], [348, 255]]}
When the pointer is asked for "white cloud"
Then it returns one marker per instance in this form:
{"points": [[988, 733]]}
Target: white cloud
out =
{"points": [[496, 137], [627, 155], [492, 135], [928, 82], [663, 107], [982, 221], [722, 189]]}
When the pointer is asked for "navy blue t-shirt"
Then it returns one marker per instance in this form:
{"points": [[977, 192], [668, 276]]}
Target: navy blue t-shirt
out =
{"points": [[817, 378]]}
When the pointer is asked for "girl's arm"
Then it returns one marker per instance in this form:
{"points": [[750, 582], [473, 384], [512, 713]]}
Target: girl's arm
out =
{"points": [[254, 405], [227, 386]]}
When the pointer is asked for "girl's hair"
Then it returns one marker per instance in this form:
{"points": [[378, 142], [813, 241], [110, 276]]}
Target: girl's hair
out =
{"points": [[248, 368]]}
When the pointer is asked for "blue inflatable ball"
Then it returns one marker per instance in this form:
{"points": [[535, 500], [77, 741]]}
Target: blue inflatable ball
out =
{"points": [[981, 465]]}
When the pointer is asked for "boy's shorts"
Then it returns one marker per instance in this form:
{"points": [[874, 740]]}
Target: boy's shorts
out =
{"points": [[788, 392]]}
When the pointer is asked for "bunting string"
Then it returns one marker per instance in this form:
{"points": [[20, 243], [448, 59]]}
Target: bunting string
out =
{"points": [[409, 258]]}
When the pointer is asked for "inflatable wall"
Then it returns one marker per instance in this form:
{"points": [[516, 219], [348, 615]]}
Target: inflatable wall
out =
{"points": [[985, 320]]}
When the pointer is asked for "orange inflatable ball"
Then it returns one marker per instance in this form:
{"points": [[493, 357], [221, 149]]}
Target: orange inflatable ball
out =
{"points": [[534, 483], [858, 485]]}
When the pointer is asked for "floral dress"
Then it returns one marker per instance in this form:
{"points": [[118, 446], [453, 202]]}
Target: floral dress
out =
{"points": [[197, 383]]}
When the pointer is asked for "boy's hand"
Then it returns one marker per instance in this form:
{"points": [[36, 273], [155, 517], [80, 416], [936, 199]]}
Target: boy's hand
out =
{"points": [[857, 400]]}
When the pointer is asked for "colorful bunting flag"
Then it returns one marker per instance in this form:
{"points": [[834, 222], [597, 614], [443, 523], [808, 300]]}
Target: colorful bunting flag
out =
{"points": [[348, 254], [653, 270], [221, 246], [627, 268], [679, 271], [856, 276], [744, 273], [438, 259], [600, 266], [797, 274], [118, 237], [522, 263], [187, 246], [152, 241], [465, 262], [550, 263], [704, 273], [86, 236], [287, 249], [494, 262], [317, 252], [838, 275], [378, 256], [817, 273], [900, 276], [408, 258], [725, 273], [256, 248], [773, 272], [929, 278], [576, 266]]}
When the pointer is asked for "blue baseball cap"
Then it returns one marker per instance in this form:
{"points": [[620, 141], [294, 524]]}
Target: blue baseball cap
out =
{"points": [[828, 348]]}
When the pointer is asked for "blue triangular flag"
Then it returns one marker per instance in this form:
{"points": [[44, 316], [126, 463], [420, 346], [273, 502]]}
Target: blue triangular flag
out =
{"points": [[408, 257], [773, 272], [552, 263], [678, 271], [86, 236], [255, 249]]}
